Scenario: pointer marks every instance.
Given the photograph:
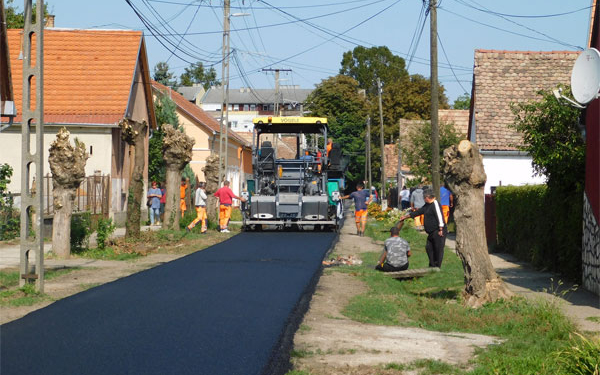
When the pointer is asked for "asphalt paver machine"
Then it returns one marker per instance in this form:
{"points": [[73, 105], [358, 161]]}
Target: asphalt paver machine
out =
{"points": [[296, 181]]}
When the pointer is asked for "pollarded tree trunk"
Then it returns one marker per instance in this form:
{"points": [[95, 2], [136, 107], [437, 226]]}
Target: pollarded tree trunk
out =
{"points": [[134, 133], [211, 174], [67, 164], [464, 174], [177, 152]]}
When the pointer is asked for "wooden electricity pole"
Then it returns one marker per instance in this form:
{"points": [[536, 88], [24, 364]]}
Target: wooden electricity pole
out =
{"points": [[369, 176], [435, 136], [382, 142]]}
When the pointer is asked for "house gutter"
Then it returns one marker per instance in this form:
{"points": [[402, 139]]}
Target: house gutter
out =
{"points": [[503, 153]]}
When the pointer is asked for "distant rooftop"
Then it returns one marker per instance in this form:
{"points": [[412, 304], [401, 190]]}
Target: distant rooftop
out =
{"points": [[290, 94]]}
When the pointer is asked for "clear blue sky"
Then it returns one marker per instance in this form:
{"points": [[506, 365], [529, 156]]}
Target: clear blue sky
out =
{"points": [[270, 37]]}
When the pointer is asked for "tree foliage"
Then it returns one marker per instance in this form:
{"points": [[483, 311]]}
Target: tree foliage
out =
{"points": [[337, 98], [418, 154], [552, 138], [15, 18], [462, 102], [196, 73], [162, 74], [165, 111], [404, 96]]}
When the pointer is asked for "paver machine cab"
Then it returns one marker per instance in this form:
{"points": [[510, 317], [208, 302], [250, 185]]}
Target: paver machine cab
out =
{"points": [[296, 183]]}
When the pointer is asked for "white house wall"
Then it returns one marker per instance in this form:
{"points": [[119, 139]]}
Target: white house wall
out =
{"points": [[509, 170], [99, 139]]}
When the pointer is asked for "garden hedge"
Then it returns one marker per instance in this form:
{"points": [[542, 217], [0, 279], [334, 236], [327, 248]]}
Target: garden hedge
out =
{"points": [[541, 226]]}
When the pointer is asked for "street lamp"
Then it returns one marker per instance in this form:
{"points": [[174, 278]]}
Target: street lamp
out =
{"points": [[224, 137]]}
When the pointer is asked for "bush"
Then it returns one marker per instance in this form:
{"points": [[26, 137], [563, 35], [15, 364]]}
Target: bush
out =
{"points": [[81, 229], [10, 220], [106, 227], [541, 226]]}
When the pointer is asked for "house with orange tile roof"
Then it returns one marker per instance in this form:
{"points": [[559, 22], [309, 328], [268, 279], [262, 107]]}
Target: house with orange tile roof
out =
{"points": [[499, 79], [92, 79], [206, 132], [7, 106]]}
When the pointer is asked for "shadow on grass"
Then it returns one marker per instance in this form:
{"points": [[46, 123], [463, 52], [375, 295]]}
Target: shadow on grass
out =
{"points": [[450, 294]]}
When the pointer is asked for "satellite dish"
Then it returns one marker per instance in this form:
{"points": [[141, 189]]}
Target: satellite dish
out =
{"points": [[585, 77]]}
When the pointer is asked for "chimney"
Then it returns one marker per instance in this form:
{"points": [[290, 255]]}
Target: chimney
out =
{"points": [[49, 21]]}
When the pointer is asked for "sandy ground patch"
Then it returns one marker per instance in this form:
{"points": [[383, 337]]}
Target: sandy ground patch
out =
{"points": [[330, 343]]}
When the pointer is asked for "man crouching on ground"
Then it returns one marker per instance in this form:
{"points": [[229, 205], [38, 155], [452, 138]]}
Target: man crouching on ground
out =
{"points": [[395, 252]]}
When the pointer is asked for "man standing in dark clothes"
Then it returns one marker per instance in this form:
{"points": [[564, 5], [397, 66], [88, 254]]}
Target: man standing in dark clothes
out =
{"points": [[435, 227]]}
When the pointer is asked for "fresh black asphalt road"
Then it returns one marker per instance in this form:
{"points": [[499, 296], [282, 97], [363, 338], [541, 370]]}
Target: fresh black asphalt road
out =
{"points": [[230, 309]]}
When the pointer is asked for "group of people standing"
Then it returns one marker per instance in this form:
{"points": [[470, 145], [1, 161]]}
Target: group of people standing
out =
{"points": [[429, 214], [157, 200]]}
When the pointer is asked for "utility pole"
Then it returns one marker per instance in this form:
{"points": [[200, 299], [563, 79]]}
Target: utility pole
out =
{"points": [[277, 94], [382, 141], [435, 135], [369, 175], [223, 136], [32, 161], [399, 177]]}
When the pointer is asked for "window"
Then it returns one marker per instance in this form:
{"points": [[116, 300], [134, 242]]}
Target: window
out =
{"points": [[253, 107], [265, 107], [246, 107], [236, 107]]}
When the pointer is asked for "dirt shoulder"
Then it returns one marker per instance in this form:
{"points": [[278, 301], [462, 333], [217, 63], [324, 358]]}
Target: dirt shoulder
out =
{"points": [[329, 343]]}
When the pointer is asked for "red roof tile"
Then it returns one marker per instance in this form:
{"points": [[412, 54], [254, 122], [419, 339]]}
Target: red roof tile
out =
{"points": [[505, 77], [88, 74]]}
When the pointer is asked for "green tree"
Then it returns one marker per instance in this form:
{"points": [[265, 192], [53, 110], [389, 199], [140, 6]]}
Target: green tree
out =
{"points": [[163, 75], [337, 98], [165, 111], [15, 18], [552, 138], [365, 65], [417, 153], [197, 74], [462, 102]]}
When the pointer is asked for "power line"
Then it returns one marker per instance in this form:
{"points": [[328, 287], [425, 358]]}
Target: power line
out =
{"points": [[414, 43], [286, 7], [445, 55], [493, 27], [531, 16], [516, 23]]}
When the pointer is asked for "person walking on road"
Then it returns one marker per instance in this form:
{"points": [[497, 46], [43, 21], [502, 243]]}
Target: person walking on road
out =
{"points": [[395, 252], [182, 204], [405, 198], [435, 227], [200, 203], [416, 202], [154, 195], [225, 195], [362, 198], [447, 201]]}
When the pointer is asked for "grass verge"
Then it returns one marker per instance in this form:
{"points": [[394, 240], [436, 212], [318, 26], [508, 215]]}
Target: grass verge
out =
{"points": [[534, 333], [10, 295]]}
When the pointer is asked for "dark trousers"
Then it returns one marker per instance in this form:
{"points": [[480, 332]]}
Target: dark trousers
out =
{"points": [[435, 248], [389, 268], [405, 204]]}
